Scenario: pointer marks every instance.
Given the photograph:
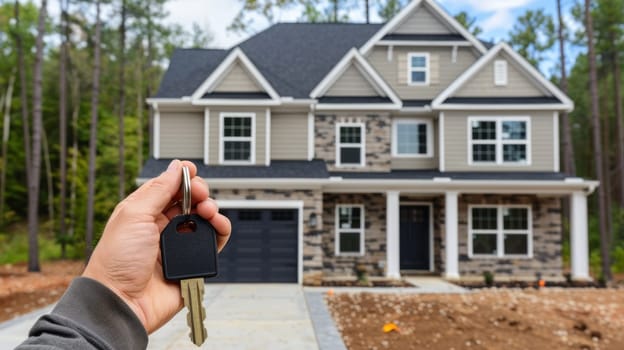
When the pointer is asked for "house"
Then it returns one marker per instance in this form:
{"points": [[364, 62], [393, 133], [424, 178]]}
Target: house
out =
{"points": [[404, 147]]}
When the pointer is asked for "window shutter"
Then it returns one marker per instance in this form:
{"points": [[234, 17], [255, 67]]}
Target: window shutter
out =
{"points": [[402, 69], [500, 73], [434, 69]]}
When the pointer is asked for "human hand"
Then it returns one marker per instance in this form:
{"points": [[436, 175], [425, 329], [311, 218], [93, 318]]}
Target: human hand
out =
{"points": [[127, 258]]}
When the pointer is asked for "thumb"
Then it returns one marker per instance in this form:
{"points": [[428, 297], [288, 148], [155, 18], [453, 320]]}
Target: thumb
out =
{"points": [[153, 196]]}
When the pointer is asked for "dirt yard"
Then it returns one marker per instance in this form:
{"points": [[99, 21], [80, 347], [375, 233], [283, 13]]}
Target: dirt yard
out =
{"points": [[487, 319], [21, 292]]}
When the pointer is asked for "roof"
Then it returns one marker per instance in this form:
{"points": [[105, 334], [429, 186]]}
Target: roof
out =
{"points": [[468, 175], [503, 100], [293, 57]]}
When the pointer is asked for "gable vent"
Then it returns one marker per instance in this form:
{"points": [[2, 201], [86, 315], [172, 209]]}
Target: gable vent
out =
{"points": [[500, 72]]}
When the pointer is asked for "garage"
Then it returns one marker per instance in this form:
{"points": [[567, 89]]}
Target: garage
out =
{"points": [[263, 246]]}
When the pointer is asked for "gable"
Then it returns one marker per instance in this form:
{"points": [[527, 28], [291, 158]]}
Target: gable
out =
{"points": [[352, 83], [238, 79], [422, 21], [519, 83]]}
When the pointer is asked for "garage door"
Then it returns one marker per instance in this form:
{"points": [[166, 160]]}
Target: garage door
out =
{"points": [[262, 248]]}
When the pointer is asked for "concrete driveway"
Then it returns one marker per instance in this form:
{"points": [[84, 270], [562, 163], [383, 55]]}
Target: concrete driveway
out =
{"points": [[246, 316]]}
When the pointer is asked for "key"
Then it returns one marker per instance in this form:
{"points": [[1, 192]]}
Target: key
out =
{"points": [[188, 248]]}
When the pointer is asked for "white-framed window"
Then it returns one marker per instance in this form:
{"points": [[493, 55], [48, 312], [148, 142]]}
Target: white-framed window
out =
{"points": [[500, 231], [350, 144], [418, 68], [500, 72], [499, 140], [238, 138], [412, 138], [349, 229]]}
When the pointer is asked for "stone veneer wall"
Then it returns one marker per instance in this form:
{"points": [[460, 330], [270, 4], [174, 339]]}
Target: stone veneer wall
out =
{"points": [[546, 212], [312, 203], [374, 256], [378, 129]]}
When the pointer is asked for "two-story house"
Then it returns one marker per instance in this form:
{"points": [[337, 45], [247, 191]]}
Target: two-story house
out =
{"points": [[407, 147]]}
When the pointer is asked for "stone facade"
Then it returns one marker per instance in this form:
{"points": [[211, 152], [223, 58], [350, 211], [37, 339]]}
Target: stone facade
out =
{"points": [[378, 142]]}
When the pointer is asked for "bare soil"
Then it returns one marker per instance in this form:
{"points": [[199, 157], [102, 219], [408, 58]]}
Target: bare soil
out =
{"points": [[551, 318], [22, 292]]}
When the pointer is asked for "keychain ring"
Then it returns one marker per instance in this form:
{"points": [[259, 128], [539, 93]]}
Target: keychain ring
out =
{"points": [[186, 191]]}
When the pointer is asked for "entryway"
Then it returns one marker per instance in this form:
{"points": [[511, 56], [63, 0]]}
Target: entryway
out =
{"points": [[415, 237]]}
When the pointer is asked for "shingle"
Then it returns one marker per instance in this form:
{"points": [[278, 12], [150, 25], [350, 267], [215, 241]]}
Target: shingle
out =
{"points": [[430, 174], [354, 99], [503, 100]]}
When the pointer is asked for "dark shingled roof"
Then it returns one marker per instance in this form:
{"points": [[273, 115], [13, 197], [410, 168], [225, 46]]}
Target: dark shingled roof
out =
{"points": [[246, 95], [354, 99], [430, 174], [425, 37], [301, 169], [293, 57], [416, 103], [503, 100]]}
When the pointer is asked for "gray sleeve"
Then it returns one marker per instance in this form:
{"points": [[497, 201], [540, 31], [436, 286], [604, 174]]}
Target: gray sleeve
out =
{"points": [[88, 316]]}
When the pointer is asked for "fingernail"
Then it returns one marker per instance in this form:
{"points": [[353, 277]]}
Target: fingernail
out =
{"points": [[174, 165]]}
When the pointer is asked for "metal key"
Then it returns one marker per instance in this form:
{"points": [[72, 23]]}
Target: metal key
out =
{"points": [[189, 254]]}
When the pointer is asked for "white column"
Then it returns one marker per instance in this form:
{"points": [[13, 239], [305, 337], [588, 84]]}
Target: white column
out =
{"points": [[392, 235], [579, 251], [451, 246]]}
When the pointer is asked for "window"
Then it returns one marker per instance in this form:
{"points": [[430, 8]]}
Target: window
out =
{"points": [[418, 68], [500, 72], [412, 138], [237, 138], [499, 140], [349, 229], [350, 144], [499, 231]]}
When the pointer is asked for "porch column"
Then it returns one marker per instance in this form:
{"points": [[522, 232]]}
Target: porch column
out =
{"points": [[579, 252], [392, 235], [451, 246]]}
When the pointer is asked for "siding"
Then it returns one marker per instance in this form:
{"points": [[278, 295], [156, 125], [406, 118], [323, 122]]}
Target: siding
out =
{"points": [[482, 84], [419, 163], [422, 21], [289, 136], [238, 79], [215, 139], [447, 70], [182, 135], [352, 83], [456, 142]]}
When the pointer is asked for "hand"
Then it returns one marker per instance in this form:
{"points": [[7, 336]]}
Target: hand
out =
{"points": [[127, 258]]}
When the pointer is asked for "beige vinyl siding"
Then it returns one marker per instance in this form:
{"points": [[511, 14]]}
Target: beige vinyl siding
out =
{"points": [[238, 79], [182, 135], [397, 163], [456, 141], [352, 83], [518, 83], [422, 21], [215, 138], [394, 72], [289, 136]]}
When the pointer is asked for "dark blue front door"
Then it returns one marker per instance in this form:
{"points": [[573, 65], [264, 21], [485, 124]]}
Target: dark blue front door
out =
{"points": [[414, 237]]}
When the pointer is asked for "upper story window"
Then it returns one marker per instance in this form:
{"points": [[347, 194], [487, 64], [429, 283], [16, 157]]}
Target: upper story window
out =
{"points": [[237, 138], [350, 143], [418, 68], [499, 231], [349, 229], [412, 138], [498, 140], [500, 72]]}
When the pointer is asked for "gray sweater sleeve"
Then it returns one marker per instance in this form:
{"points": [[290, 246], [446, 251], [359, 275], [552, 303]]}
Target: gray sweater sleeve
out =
{"points": [[88, 316]]}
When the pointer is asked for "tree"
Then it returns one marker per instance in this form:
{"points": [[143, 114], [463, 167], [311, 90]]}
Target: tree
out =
{"points": [[200, 38], [64, 4], [532, 35], [568, 150], [268, 9], [469, 23], [595, 115], [122, 100], [390, 8]]}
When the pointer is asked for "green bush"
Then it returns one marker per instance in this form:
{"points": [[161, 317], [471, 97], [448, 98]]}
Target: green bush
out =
{"points": [[618, 259], [14, 249]]}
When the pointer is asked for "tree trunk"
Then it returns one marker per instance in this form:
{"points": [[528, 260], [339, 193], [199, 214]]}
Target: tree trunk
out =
{"points": [[74, 162], [150, 59], [93, 134], [34, 173], [63, 127], [617, 88], [568, 148], [606, 162], [367, 4], [139, 75], [5, 142], [122, 100], [595, 114], [48, 167]]}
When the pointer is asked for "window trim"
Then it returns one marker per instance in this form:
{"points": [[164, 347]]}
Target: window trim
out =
{"points": [[411, 69], [338, 230], [223, 139], [499, 142], [500, 232], [417, 121], [362, 144], [501, 64]]}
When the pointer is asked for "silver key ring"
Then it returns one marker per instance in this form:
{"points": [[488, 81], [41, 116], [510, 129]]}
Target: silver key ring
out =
{"points": [[186, 191]]}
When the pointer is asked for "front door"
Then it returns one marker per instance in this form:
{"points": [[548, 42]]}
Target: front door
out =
{"points": [[414, 237]]}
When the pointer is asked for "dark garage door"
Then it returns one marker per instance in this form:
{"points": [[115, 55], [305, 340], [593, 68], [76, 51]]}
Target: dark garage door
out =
{"points": [[262, 248]]}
